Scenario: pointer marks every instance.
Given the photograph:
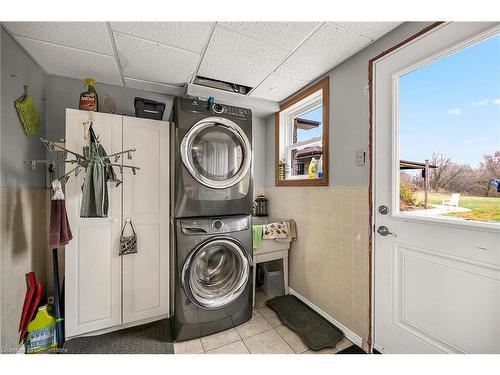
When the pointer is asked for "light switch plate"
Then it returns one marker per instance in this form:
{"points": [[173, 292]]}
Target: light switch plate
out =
{"points": [[361, 158]]}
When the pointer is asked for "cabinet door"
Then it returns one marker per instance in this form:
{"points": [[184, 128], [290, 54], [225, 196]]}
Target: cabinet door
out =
{"points": [[92, 263], [146, 203]]}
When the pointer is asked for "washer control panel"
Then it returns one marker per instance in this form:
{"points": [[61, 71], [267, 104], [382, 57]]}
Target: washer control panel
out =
{"points": [[193, 227], [201, 106]]}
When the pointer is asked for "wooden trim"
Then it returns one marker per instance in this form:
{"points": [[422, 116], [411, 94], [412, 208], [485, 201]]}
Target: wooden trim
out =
{"points": [[324, 85], [371, 158]]}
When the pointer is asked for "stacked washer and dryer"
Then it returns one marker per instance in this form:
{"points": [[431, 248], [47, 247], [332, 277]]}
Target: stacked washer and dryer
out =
{"points": [[211, 206]]}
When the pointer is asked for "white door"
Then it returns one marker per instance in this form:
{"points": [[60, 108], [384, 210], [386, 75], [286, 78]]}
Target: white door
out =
{"points": [[92, 264], [436, 280], [146, 204]]}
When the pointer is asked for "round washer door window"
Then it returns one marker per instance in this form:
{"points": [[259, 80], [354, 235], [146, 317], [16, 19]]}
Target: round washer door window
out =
{"points": [[216, 152], [215, 273]]}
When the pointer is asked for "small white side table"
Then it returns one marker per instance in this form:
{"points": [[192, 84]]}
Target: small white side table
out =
{"points": [[271, 250]]}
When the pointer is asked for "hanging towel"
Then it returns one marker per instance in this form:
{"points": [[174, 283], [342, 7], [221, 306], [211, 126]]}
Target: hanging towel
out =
{"points": [[27, 113], [257, 236], [95, 201], [279, 230], [60, 231], [293, 229]]}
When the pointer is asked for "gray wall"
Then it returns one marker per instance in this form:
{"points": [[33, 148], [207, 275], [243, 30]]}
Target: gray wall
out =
{"points": [[348, 112], [62, 93], [17, 68], [259, 152]]}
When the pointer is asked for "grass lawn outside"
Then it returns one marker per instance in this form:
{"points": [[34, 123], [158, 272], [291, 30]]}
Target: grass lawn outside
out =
{"points": [[484, 209]]}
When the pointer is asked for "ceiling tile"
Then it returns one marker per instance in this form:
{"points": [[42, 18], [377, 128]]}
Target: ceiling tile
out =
{"points": [[192, 36], [326, 48], [233, 57], [71, 62], [90, 36], [277, 87], [152, 86], [372, 30], [284, 34], [150, 61]]}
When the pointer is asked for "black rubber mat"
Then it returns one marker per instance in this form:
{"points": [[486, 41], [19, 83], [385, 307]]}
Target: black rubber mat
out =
{"points": [[316, 332], [151, 338], [353, 349]]}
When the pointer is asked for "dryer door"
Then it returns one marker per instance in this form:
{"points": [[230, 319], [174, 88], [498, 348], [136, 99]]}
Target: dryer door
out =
{"points": [[216, 152], [216, 273]]}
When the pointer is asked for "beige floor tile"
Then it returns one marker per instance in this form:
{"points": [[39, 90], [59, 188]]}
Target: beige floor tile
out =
{"points": [[343, 344], [261, 298], [269, 342], [292, 339], [188, 347], [254, 326], [220, 339], [323, 351], [237, 347], [271, 317]]}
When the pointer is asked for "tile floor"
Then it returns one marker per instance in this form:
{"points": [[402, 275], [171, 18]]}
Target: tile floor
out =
{"points": [[263, 334]]}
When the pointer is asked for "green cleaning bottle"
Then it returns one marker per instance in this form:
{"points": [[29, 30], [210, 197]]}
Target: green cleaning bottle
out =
{"points": [[41, 332]]}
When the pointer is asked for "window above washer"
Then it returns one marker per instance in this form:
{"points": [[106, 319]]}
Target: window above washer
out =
{"points": [[302, 133]]}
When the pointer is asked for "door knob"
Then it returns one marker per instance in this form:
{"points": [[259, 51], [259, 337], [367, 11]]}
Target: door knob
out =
{"points": [[384, 231]]}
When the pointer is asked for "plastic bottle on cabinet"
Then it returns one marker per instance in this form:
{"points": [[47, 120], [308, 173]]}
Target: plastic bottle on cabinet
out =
{"points": [[88, 99]]}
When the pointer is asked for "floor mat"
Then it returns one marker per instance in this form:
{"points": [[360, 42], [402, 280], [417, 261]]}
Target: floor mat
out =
{"points": [[316, 332], [151, 338], [353, 349]]}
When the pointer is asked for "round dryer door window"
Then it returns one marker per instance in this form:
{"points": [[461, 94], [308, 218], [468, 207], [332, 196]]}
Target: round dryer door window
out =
{"points": [[216, 152], [216, 273]]}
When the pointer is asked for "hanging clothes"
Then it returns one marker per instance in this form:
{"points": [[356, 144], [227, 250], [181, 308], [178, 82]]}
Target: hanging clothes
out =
{"points": [[95, 200], [60, 231]]}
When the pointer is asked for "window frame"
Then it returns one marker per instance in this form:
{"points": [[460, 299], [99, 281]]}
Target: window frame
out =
{"points": [[323, 86]]}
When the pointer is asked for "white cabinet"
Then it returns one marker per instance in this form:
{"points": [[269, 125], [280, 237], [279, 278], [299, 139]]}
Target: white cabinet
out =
{"points": [[146, 202], [102, 289]]}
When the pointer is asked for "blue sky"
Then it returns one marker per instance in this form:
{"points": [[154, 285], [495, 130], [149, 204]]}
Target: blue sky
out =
{"points": [[315, 115], [452, 106]]}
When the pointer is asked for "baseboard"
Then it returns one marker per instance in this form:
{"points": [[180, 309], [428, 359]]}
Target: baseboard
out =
{"points": [[350, 335]]}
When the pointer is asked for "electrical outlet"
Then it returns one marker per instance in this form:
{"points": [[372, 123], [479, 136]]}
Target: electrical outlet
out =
{"points": [[361, 158]]}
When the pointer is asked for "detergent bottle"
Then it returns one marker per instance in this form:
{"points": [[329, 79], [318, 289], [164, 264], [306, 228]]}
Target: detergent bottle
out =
{"points": [[313, 167], [41, 332]]}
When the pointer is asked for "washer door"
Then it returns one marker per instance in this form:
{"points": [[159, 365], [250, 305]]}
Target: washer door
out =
{"points": [[216, 152], [215, 273]]}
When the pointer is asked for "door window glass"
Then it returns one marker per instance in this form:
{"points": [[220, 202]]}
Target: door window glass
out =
{"points": [[449, 126], [217, 274], [217, 153]]}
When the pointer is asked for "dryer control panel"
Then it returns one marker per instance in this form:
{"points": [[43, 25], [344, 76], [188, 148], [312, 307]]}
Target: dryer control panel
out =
{"points": [[202, 106], [216, 225]]}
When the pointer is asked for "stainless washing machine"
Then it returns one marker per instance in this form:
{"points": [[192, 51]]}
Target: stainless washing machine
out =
{"points": [[213, 275], [211, 159]]}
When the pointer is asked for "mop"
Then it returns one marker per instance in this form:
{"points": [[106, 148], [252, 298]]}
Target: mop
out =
{"points": [[60, 235]]}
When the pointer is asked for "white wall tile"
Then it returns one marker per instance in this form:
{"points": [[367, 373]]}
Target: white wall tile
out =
{"points": [[192, 36], [90, 36], [71, 62], [326, 48], [150, 61], [284, 34], [278, 87], [236, 58]]}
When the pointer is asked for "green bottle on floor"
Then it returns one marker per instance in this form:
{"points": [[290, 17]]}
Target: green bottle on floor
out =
{"points": [[41, 332]]}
